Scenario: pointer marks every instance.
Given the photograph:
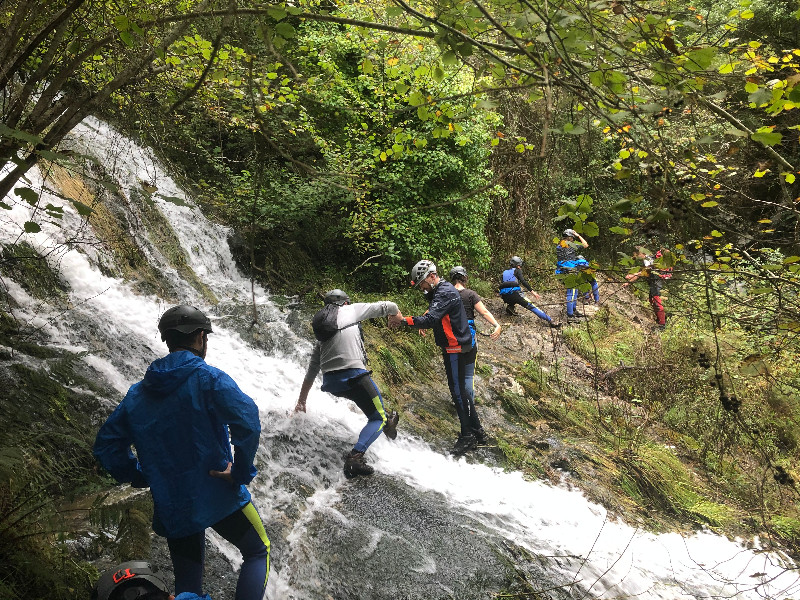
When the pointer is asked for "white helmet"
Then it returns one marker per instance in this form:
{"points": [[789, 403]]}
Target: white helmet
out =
{"points": [[420, 271]]}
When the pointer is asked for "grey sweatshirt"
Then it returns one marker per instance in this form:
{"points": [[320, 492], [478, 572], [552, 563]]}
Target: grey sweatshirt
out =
{"points": [[345, 350]]}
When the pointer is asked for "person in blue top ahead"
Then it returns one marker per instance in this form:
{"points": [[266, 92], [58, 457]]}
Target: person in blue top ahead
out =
{"points": [[511, 292], [568, 260], [180, 419]]}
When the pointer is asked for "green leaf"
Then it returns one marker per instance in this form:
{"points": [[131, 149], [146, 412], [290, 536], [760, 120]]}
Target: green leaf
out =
{"points": [[573, 129], [623, 205], [619, 230], [401, 88], [590, 229], [450, 58], [394, 11], [18, 134], [285, 30], [126, 38], [438, 74], [716, 233], [791, 259], [709, 204], [31, 227], [698, 60], [367, 67], [27, 194], [766, 136], [277, 14], [83, 209], [750, 87]]}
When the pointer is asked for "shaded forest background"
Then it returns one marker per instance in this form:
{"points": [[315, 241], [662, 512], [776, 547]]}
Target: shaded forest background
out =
{"points": [[466, 132]]}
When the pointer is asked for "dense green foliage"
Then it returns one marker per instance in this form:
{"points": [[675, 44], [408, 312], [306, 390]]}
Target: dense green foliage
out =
{"points": [[344, 141]]}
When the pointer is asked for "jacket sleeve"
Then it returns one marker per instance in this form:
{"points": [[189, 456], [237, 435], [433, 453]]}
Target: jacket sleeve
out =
{"points": [[521, 279], [436, 311], [361, 311], [240, 413], [112, 448]]}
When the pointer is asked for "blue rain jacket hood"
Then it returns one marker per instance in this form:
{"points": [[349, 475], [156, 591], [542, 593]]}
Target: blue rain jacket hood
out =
{"points": [[182, 419]]}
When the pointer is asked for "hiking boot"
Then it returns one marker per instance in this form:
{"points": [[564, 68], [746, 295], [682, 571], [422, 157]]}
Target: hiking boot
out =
{"points": [[355, 465], [481, 437], [553, 325], [510, 310], [463, 444], [390, 428]]}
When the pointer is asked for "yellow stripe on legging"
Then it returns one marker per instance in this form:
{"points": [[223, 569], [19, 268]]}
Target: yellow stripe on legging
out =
{"points": [[255, 520], [379, 407]]}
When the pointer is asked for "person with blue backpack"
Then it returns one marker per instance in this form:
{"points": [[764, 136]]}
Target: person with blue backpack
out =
{"points": [[511, 291], [340, 354], [569, 261]]}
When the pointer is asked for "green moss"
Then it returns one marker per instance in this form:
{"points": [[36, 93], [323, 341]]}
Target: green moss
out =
{"points": [[521, 458], [653, 476], [608, 337], [31, 270]]}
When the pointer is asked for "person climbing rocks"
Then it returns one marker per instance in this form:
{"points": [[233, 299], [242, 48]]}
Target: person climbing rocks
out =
{"points": [[511, 292], [655, 282], [567, 261], [340, 354], [472, 303], [182, 419], [136, 580], [452, 333]]}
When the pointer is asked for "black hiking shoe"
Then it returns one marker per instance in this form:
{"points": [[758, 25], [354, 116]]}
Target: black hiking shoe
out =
{"points": [[390, 428], [553, 325], [510, 310], [355, 465], [481, 437], [463, 444]]}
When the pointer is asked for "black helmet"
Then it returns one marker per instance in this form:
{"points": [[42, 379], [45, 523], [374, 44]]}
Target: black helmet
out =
{"points": [[458, 271], [128, 581], [515, 261], [185, 319], [337, 297]]}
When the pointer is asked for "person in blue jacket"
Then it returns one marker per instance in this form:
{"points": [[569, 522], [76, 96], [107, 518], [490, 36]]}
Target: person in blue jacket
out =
{"points": [[182, 419], [511, 292], [568, 260]]}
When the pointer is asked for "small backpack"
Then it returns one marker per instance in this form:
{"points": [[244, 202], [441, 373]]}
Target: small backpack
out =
{"points": [[324, 322]]}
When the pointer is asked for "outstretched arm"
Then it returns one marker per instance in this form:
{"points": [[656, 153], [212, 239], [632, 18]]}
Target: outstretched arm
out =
{"points": [[304, 389], [484, 312]]}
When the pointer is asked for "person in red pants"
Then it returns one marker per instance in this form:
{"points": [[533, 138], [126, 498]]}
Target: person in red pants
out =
{"points": [[655, 281]]}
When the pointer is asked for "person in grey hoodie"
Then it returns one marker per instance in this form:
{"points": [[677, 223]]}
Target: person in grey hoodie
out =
{"points": [[342, 358]]}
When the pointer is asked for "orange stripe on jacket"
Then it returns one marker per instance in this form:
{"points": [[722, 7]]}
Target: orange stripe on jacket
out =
{"points": [[452, 343]]}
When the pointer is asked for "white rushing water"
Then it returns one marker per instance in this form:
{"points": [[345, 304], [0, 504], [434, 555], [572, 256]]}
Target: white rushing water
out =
{"points": [[610, 559]]}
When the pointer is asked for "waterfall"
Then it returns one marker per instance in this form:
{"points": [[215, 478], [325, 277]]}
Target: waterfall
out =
{"points": [[425, 525]]}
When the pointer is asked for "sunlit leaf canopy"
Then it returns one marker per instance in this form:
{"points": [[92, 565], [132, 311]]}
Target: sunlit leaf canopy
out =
{"points": [[680, 92]]}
